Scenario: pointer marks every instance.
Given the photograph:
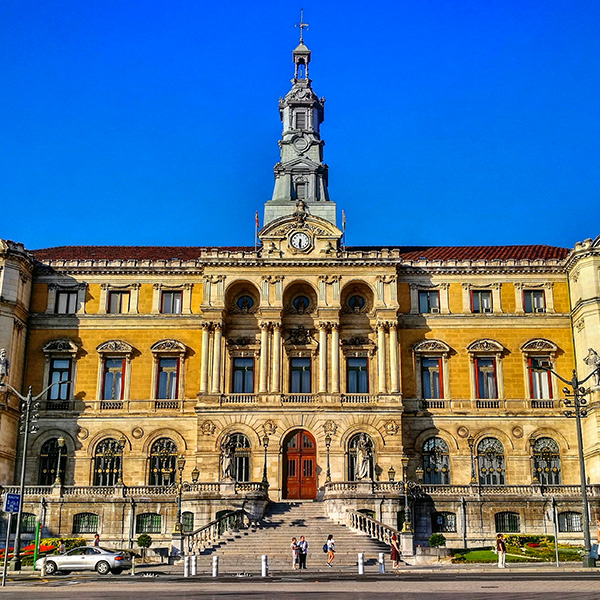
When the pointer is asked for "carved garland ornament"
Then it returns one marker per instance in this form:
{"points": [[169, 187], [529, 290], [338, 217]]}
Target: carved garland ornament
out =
{"points": [[269, 427], [61, 345], [330, 427], [485, 346], [539, 345], [168, 346], [392, 427], [431, 346], [115, 346], [208, 428]]}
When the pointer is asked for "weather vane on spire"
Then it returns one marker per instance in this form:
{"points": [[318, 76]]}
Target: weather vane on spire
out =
{"points": [[302, 25]]}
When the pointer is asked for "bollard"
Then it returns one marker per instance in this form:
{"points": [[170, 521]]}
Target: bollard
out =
{"points": [[132, 565], [43, 569], [186, 566], [215, 568], [265, 565], [382, 563], [194, 565], [361, 563]]}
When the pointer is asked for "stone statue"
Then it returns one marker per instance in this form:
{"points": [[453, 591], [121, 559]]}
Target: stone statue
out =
{"points": [[363, 458], [4, 365], [593, 360], [301, 212], [227, 454]]}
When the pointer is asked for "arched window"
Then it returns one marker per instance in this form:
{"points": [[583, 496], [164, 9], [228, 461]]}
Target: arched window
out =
{"points": [[108, 463], [187, 520], [570, 521], [148, 523], [507, 522], [436, 461], [360, 457], [546, 462], [490, 461], [85, 523], [163, 462], [241, 457], [49, 454], [442, 522]]}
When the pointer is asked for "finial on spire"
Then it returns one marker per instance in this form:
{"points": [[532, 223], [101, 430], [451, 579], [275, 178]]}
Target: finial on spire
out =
{"points": [[302, 25]]}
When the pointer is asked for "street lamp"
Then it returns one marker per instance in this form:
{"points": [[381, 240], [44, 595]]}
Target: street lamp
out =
{"points": [[29, 414], [391, 474], [61, 444], [180, 467], [265, 442], [407, 526], [328, 446], [471, 442], [534, 477], [576, 400], [121, 446]]}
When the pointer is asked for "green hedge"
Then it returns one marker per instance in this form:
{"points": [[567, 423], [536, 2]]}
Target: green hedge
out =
{"points": [[520, 539]]}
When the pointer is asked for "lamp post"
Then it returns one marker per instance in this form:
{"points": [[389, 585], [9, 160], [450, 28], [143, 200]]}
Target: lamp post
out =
{"points": [[471, 442], [328, 446], [265, 442], [29, 414], [61, 444], [534, 477], [407, 525], [121, 446], [180, 467], [575, 399]]}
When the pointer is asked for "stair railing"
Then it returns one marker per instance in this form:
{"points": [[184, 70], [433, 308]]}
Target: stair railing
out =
{"points": [[374, 529], [197, 541]]}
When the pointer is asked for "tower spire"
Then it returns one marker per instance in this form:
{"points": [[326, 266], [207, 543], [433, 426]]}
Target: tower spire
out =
{"points": [[302, 25]]}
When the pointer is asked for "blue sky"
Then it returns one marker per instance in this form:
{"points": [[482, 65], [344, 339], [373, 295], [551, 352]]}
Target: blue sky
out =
{"points": [[446, 122]]}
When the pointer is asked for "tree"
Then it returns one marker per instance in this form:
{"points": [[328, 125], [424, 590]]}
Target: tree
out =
{"points": [[144, 541]]}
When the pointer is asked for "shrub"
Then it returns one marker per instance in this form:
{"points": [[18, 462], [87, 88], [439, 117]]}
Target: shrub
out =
{"points": [[70, 542], [436, 540]]}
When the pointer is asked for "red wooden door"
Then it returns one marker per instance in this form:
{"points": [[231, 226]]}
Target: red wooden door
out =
{"points": [[300, 466]]}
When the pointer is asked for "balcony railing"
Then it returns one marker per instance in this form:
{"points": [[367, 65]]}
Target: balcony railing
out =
{"points": [[208, 535], [238, 398], [358, 398], [297, 398]]}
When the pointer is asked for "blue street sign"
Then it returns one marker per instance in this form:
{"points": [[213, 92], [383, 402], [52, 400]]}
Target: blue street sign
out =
{"points": [[12, 503]]}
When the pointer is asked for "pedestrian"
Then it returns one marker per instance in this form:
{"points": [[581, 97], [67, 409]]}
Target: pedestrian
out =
{"points": [[598, 529], [294, 547], [61, 546], [395, 553], [97, 539], [330, 550], [501, 550], [302, 552]]}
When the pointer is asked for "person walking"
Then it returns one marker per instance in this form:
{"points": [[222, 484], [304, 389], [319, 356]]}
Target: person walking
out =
{"points": [[302, 552], [501, 550], [97, 539], [294, 547], [330, 550], [395, 551]]}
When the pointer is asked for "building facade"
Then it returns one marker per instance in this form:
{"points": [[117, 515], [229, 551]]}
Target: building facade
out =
{"points": [[368, 378]]}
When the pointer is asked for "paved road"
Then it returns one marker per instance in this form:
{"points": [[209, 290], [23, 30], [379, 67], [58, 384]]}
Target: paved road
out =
{"points": [[452, 585]]}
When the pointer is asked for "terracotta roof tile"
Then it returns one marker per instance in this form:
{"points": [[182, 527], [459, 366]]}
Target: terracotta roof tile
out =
{"points": [[431, 253]]}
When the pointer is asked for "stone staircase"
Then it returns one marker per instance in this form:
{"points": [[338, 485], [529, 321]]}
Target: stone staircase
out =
{"points": [[241, 551]]}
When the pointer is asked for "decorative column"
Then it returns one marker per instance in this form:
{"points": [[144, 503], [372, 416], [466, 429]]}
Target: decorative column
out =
{"points": [[322, 358], [381, 357], [264, 356], [335, 358], [204, 358], [276, 351], [216, 366], [394, 379]]}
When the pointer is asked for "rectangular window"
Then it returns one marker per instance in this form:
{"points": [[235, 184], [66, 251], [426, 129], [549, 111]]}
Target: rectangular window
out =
{"points": [[429, 302], [534, 301], [540, 382], [187, 519], [118, 303], [301, 120], [171, 303], [167, 379], [300, 377], [507, 522], [358, 376], [431, 378], [485, 371], [570, 522], [481, 301], [243, 375], [443, 522], [60, 370], [85, 523], [114, 374], [148, 523], [66, 303], [301, 190]]}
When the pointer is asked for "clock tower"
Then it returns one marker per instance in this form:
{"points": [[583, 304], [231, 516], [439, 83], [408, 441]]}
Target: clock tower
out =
{"points": [[301, 174]]}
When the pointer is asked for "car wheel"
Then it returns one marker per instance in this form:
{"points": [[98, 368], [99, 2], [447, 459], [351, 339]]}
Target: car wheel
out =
{"points": [[117, 571], [50, 568], [103, 567]]}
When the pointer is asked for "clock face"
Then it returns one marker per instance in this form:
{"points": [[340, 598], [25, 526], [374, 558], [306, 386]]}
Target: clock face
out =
{"points": [[300, 240]]}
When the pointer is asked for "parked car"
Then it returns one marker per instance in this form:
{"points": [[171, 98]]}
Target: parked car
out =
{"points": [[86, 558]]}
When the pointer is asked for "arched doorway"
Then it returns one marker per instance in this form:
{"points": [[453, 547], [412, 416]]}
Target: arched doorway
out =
{"points": [[300, 466]]}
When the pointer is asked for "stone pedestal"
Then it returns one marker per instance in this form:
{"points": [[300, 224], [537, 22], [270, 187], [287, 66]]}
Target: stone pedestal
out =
{"points": [[177, 544], [407, 543]]}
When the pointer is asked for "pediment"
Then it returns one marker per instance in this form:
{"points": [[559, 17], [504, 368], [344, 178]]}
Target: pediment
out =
{"points": [[539, 345], [431, 346], [485, 345], [316, 225], [117, 346], [301, 163]]}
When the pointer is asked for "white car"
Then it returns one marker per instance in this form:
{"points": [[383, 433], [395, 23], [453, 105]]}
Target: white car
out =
{"points": [[86, 558]]}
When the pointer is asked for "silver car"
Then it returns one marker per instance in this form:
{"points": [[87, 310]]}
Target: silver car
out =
{"points": [[86, 558]]}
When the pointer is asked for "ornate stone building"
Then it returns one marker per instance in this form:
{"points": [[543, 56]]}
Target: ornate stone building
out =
{"points": [[304, 369]]}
